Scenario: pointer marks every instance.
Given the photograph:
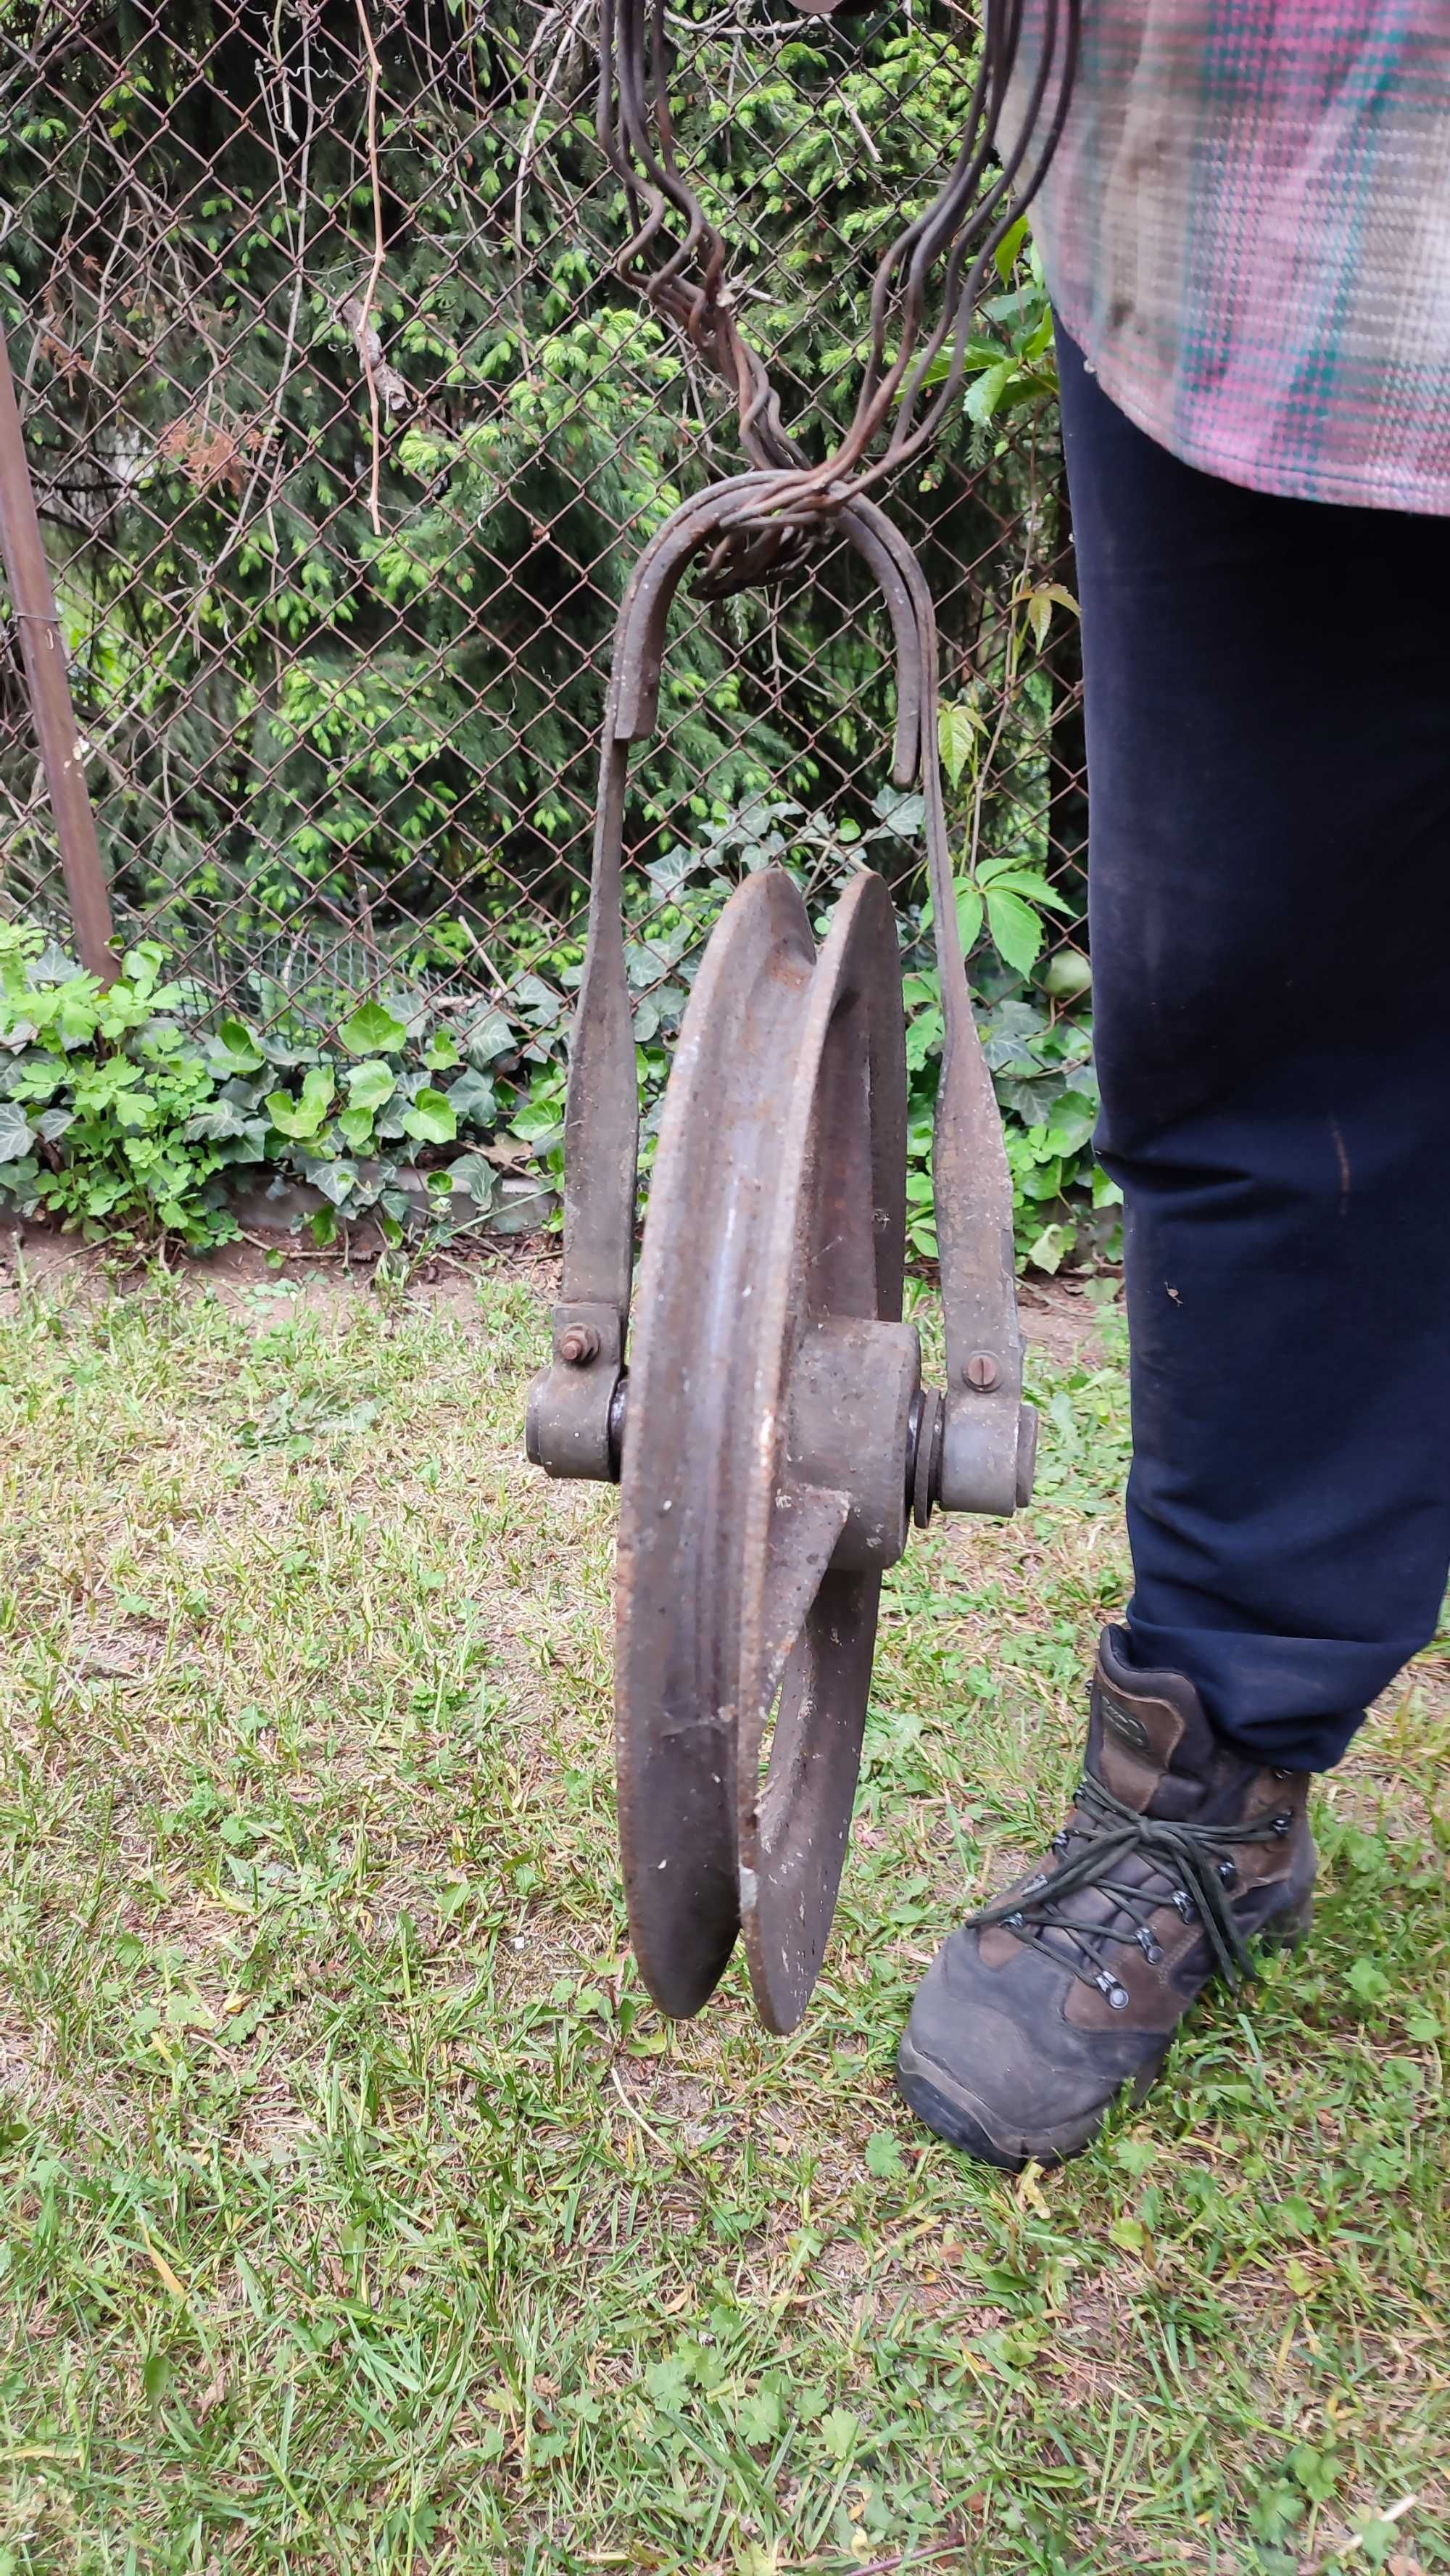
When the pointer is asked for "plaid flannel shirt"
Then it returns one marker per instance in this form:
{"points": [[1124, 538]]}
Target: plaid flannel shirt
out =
{"points": [[1247, 229]]}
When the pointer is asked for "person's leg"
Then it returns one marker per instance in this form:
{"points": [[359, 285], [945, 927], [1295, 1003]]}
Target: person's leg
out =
{"points": [[1268, 719], [1268, 722]]}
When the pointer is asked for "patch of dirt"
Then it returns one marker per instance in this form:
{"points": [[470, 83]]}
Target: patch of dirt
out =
{"points": [[1059, 1317], [119, 1653], [238, 1273]]}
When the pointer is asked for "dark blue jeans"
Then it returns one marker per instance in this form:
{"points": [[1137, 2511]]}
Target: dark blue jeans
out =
{"points": [[1268, 726]]}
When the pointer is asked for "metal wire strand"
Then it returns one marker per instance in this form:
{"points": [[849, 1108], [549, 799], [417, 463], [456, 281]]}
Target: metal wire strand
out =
{"points": [[679, 260]]}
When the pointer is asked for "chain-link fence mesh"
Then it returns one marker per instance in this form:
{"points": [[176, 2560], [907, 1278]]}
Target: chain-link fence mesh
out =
{"points": [[345, 437]]}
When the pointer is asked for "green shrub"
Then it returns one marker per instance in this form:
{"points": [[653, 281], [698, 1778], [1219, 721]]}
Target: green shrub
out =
{"points": [[120, 1112], [139, 1110]]}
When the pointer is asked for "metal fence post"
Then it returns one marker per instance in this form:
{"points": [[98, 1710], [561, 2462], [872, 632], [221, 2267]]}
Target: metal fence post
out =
{"points": [[42, 645]]}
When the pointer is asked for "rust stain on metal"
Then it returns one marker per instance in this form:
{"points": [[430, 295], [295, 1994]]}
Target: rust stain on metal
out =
{"points": [[42, 646], [777, 1440]]}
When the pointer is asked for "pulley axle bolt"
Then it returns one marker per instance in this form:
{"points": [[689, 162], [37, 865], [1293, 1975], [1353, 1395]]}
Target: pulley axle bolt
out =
{"points": [[981, 1373], [578, 1345]]}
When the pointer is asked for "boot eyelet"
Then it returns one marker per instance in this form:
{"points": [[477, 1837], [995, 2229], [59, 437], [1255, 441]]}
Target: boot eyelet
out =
{"points": [[1012, 1922], [1118, 1996], [1183, 1905], [1149, 1947], [1034, 1883], [1059, 1841], [1280, 1774], [1283, 1821], [1228, 1872]]}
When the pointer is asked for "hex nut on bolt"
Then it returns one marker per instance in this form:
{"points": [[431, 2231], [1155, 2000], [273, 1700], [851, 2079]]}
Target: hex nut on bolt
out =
{"points": [[579, 1345], [981, 1373]]}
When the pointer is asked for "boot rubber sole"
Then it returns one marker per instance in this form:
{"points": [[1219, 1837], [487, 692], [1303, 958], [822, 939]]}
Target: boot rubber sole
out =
{"points": [[968, 2124]]}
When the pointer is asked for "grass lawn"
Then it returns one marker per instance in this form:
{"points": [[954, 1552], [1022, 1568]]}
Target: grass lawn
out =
{"points": [[362, 2214]]}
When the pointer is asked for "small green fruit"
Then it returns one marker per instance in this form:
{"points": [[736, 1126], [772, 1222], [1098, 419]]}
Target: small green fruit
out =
{"points": [[1067, 975]]}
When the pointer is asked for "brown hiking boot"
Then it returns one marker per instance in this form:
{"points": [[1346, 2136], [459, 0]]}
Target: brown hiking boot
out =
{"points": [[1178, 1851]]}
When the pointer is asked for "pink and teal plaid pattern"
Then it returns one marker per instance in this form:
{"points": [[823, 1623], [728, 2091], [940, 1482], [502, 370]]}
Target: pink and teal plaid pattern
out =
{"points": [[1248, 231]]}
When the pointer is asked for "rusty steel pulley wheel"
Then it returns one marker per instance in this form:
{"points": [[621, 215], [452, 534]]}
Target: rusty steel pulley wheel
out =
{"points": [[749, 1572], [772, 1436]]}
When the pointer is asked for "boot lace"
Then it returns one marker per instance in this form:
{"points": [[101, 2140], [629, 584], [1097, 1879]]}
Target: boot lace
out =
{"points": [[1195, 1875]]}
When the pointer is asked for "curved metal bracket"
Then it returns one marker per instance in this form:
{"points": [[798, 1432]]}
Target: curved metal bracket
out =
{"points": [[988, 1436]]}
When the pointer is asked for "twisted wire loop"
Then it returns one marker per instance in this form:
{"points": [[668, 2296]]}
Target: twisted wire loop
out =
{"points": [[941, 260]]}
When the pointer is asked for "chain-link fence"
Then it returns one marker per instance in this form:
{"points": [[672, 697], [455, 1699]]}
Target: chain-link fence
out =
{"points": [[345, 436]]}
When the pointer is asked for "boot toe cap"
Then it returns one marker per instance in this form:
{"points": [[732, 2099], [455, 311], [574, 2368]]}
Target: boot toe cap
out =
{"points": [[989, 2062]]}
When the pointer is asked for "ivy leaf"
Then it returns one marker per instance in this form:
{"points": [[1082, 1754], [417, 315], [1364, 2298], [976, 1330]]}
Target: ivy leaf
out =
{"points": [[336, 1181], [923, 1039], [238, 1044], [357, 1126], [473, 1097], [372, 1030], [303, 1117], [142, 966], [1016, 929], [902, 811], [471, 1173], [371, 1083], [488, 1036], [537, 998], [1071, 1122], [670, 872], [541, 1118], [52, 966], [431, 1118], [216, 1120], [283, 1051], [442, 1052], [1051, 1247], [15, 1133]]}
